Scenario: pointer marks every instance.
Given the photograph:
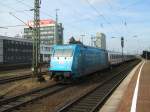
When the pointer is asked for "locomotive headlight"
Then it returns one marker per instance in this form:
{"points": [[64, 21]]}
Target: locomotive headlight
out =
{"points": [[32, 69]]}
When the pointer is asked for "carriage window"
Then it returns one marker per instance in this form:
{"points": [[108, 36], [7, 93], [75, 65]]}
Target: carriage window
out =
{"points": [[63, 53]]}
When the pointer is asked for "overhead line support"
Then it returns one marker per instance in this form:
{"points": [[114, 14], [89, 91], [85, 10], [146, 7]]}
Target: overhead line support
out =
{"points": [[36, 64]]}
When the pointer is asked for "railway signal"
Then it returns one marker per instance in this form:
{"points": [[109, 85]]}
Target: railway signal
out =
{"points": [[122, 45], [122, 42]]}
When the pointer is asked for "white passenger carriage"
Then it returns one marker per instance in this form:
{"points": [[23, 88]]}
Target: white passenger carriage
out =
{"points": [[116, 58]]}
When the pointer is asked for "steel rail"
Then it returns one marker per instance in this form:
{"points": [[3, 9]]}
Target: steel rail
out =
{"points": [[15, 78], [12, 103], [92, 100]]}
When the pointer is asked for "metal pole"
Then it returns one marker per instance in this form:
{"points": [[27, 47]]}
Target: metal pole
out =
{"points": [[36, 41], [33, 54], [56, 29], [122, 54]]}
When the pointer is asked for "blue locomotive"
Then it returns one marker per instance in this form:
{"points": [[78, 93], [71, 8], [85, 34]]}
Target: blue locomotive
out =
{"points": [[76, 60]]}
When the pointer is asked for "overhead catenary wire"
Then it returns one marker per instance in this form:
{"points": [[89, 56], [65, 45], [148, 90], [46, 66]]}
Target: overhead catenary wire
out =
{"points": [[21, 2], [75, 12], [109, 4], [80, 15], [123, 21], [12, 13], [70, 25], [4, 5], [17, 11], [100, 15], [130, 5], [20, 19], [13, 26]]}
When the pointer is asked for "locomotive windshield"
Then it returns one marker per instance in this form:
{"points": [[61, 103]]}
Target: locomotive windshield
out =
{"points": [[63, 53]]}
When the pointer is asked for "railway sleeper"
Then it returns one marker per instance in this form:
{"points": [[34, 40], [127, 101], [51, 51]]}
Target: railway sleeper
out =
{"points": [[91, 99], [91, 102], [97, 96], [7, 106], [86, 104], [81, 106], [78, 110]]}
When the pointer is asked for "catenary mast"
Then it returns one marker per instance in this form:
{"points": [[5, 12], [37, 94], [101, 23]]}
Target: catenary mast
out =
{"points": [[36, 41]]}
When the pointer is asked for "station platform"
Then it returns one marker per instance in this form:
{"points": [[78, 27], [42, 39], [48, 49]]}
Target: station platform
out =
{"points": [[133, 94]]}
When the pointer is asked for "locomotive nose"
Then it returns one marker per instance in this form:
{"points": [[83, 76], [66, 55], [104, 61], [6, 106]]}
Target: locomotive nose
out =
{"points": [[61, 64]]}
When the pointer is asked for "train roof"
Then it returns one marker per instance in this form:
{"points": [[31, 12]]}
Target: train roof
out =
{"points": [[64, 46], [74, 45], [114, 52]]}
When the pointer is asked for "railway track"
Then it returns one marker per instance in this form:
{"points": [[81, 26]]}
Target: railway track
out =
{"points": [[8, 79], [12, 103], [94, 99]]}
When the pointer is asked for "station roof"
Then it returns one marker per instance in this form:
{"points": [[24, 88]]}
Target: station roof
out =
{"points": [[15, 39]]}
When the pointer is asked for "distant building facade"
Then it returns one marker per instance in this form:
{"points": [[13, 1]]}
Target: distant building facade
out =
{"points": [[47, 31], [15, 50], [47, 35], [100, 40], [45, 52]]}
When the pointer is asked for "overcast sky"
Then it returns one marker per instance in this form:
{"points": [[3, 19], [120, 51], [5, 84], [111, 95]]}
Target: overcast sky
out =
{"points": [[115, 18]]}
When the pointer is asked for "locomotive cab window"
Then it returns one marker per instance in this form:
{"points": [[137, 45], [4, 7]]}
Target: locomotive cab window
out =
{"points": [[67, 52], [58, 52], [63, 52]]}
